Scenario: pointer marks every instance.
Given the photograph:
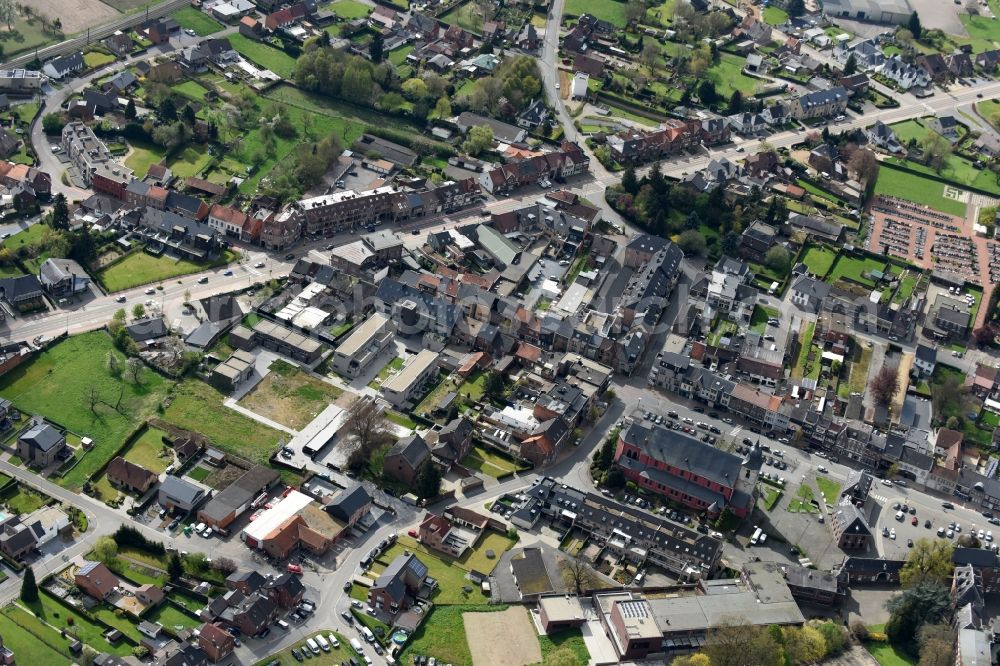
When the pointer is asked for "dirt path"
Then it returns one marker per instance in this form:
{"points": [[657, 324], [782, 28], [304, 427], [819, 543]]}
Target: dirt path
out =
{"points": [[506, 638]]}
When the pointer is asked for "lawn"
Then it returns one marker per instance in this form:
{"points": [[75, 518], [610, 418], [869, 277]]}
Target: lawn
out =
{"points": [[758, 321], [571, 638], [97, 59], [443, 635], [189, 162], [335, 656], [173, 618], [140, 268], [607, 10], [390, 367], [775, 15], [771, 497], [802, 503], [488, 462], [22, 499], [34, 643], [829, 488], [143, 156], [25, 36], [29, 237], [958, 170], [885, 653], [289, 396], [191, 89], [859, 371], [197, 406], [805, 342], [264, 55], [728, 76], [855, 269], [909, 129], [398, 56], [199, 473], [449, 572], [146, 450], [916, 189], [190, 18], [53, 613], [56, 384], [466, 16], [349, 9], [400, 419]]}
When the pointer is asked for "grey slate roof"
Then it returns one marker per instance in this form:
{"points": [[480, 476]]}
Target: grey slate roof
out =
{"points": [[42, 436], [412, 449], [180, 490], [684, 452]]}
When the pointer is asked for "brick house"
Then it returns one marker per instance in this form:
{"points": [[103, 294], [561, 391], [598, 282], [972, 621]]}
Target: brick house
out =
{"points": [[96, 579], [406, 457], [130, 477], [399, 582], [216, 642]]}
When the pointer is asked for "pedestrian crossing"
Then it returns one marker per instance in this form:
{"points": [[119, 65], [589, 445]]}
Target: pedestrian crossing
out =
{"points": [[880, 498]]}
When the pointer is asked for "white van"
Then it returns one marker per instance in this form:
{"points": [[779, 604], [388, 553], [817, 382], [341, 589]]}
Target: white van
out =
{"points": [[356, 644], [313, 647], [333, 641], [284, 625], [367, 633], [199, 528], [322, 643]]}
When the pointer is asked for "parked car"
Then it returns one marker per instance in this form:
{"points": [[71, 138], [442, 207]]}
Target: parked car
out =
{"points": [[294, 568]]}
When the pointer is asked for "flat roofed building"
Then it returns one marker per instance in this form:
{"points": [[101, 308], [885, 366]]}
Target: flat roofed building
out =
{"points": [[13, 80], [366, 343], [402, 387]]}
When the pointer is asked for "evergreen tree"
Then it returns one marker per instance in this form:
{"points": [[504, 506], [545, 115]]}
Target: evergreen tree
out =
{"points": [[629, 182], [736, 102], [60, 212], [851, 66], [130, 109], [168, 110], [175, 568], [376, 48], [428, 481], [913, 25], [29, 589]]}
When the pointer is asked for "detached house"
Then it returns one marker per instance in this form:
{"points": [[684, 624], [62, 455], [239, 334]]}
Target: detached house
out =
{"points": [[41, 445], [398, 584], [404, 460], [63, 66], [820, 104], [96, 579], [534, 115], [130, 477]]}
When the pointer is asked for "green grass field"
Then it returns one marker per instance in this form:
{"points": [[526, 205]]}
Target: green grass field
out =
{"points": [[140, 268], [443, 635], [885, 653], [264, 55], [197, 406], [466, 16], [24, 36], [855, 268], [190, 161], [22, 499], [143, 156], [398, 56], [349, 9], [488, 462], [959, 171], [38, 644], [775, 15], [916, 189], [829, 488], [191, 90], [728, 76], [56, 384], [53, 613], [97, 59], [146, 449], [818, 259], [607, 10], [190, 18], [909, 129]]}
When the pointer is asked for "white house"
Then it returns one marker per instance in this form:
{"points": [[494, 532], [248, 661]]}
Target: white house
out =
{"points": [[808, 293], [581, 83], [924, 360], [57, 68]]}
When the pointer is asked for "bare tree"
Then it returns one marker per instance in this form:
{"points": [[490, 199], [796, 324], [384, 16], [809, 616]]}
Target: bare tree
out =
{"points": [[92, 397], [367, 422], [635, 10], [8, 13], [884, 385], [865, 165], [114, 365], [134, 370], [578, 574]]}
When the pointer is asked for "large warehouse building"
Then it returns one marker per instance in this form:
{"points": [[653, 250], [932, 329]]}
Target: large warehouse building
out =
{"points": [[876, 11]]}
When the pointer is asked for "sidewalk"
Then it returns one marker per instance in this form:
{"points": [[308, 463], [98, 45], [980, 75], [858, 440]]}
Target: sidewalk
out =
{"points": [[229, 402]]}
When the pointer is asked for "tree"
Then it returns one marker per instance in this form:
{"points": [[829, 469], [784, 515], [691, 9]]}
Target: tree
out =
{"points": [[415, 89], [167, 109], [936, 149], [366, 421], [929, 561], [375, 48], [851, 66], [60, 212], [935, 641], [442, 109], [696, 659], [913, 25], [494, 386], [884, 385], [92, 397], [925, 603], [730, 244], [865, 165], [133, 368], [114, 365], [629, 181], [635, 10], [564, 656], [428, 481], [577, 574], [795, 8], [52, 123], [692, 242], [904, 39], [138, 311], [803, 645], [834, 636], [175, 568], [130, 111], [105, 550], [736, 644], [650, 54], [8, 14], [707, 93], [736, 102], [777, 259], [478, 140], [29, 588]]}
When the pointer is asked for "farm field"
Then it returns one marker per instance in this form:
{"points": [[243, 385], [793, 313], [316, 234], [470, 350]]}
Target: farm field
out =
{"points": [[607, 10], [56, 384], [289, 396], [728, 76]]}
